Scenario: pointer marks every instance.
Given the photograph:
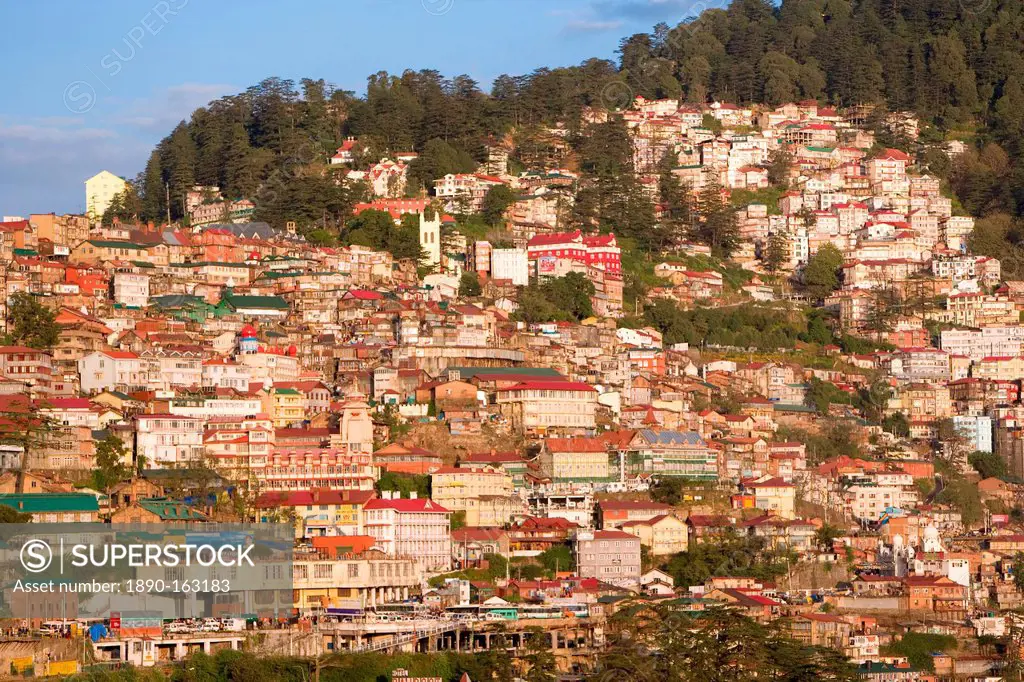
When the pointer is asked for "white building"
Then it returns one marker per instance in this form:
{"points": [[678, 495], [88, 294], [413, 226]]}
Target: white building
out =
{"points": [[977, 431], [168, 440], [131, 289], [996, 341], [511, 264], [430, 240], [417, 528], [223, 372], [112, 369]]}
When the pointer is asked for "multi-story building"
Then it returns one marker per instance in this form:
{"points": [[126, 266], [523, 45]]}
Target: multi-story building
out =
{"points": [[415, 528], [131, 289], [672, 453], [537, 406], [977, 430], [597, 250], [510, 264], [985, 342], [457, 488], [100, 191], [31, 367], [359, 582], [611, 556], [168, 440], [574, 460], [317, 512], [664, 534]]}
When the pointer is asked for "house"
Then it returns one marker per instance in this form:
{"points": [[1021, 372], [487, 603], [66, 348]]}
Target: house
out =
{"points": [[511, 463], [533, 535], [413, 527], [820, 629], [540, 406], [672, 453], [574, 460], [406, 458], [613, 513], [611, 556], [112, 370], [657, 583], [318, 512], [748, 602], [703, 527], [47, 507], [470, 546], [158, 510], [771, 494], [663, 535]]}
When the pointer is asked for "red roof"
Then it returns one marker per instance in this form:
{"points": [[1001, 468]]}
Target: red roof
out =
{"points": [[555, 238], [120, 354], [303, 498], [614, 535], [552, 386], [893, 155], [365, 294], [419, 504], [575, 445]]}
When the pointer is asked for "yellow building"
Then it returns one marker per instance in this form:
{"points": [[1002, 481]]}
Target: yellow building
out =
{"points": [[457, 489], [100, 190], [575, 460], [664, 534], [772, 495], [284, 405]]}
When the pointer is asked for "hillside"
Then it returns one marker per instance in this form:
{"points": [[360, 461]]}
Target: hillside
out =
{"points": [[956, 64]]}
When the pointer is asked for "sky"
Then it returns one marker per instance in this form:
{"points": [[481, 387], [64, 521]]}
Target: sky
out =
{"points": [[93, 85]]}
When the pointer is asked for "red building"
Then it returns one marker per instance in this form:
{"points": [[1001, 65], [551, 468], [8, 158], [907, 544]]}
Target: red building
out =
{"points": [[600, 250]]}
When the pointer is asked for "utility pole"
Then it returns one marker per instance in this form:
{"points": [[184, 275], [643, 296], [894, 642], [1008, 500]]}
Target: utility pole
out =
{"points": [[167, 195]]}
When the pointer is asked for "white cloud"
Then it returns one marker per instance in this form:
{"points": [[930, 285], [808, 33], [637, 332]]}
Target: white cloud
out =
{"points": [[162, 110], [590, 25], [45, 160]]}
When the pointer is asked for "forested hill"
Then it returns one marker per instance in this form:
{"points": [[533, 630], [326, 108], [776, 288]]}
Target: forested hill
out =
{"points": [[957, 63]]}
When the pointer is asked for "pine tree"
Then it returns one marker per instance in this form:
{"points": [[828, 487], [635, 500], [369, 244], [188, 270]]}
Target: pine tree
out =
{"points": [[154, 196], [179, 159], [717, 226], [776, 252]]}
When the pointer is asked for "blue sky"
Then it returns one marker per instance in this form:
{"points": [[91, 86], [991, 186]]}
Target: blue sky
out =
{"points": [[94, 84]]}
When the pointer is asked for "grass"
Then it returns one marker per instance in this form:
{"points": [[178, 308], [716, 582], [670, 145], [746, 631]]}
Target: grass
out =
{"points": [[768, 196]]}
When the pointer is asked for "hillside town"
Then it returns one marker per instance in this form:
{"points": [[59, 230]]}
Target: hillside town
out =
{"points": [[446, 455]]}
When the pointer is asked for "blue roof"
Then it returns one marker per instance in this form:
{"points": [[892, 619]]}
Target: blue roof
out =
{"points": [[672, 437]]}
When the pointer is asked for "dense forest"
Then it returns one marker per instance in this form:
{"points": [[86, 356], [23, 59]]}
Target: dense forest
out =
{"points": [[956, 63]]}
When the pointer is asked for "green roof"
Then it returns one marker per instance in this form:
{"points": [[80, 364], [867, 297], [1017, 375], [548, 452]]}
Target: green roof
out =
{"points": [[466, 373], [142, 264], [26, 252], [172, 510], [203, 263], [237, 302], [278, 275], [111, 244], [34, 503], [827, 150], [286, 391], [176, 300]]}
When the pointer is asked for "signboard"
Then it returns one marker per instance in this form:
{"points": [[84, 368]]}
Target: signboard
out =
{"points": [[115, 620], [403, 675]]}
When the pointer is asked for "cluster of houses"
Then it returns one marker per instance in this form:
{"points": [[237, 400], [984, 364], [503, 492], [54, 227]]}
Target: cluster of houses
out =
{"points": [[305, 380]]}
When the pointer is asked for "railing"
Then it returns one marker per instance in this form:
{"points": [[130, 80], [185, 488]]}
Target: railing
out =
{"points": [[399, 640]]}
